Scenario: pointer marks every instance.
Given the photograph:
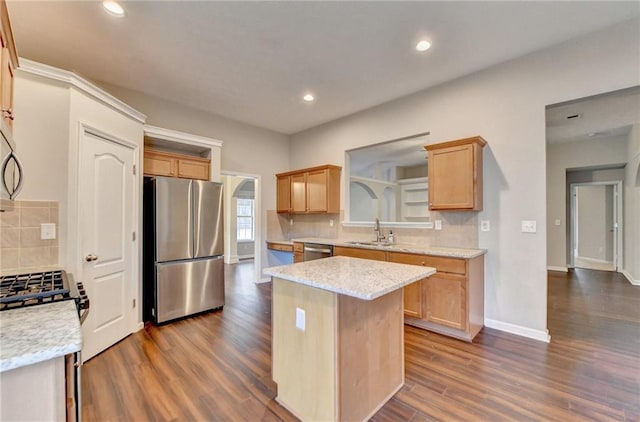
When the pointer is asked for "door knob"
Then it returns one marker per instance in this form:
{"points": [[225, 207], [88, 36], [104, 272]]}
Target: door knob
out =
{"points": [[91, 257]]}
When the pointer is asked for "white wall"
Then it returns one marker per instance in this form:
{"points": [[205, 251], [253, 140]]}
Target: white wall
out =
{"points": [[573, 155], [246, 149], [41, 132], [632, 208], [506, 105]]}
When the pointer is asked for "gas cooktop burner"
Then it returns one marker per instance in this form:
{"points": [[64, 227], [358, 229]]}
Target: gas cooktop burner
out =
{"points": [[35, 288]]}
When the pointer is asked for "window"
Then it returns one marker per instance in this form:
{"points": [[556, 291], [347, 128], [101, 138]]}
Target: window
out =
{"points": [[245, 219]]}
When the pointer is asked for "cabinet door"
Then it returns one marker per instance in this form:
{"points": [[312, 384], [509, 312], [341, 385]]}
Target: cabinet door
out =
{"points": [[413, 294], [193, 169], [159, 164], [317, 191], [283, 188], [6, 85], [446, 300], [360, 253], [298, 193], [452, 178]]}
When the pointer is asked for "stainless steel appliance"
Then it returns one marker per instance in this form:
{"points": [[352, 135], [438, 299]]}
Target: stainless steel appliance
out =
{"points": [[317, 251], [183, 248], [11, 175], [39, 288]]}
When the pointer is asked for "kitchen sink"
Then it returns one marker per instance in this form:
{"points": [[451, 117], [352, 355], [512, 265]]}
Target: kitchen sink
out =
{"points": [[366, 243]]}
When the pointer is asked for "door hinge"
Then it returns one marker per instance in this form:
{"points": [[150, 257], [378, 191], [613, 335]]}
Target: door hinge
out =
{"points": [[134, 169], [133, 236], [134, 303]]}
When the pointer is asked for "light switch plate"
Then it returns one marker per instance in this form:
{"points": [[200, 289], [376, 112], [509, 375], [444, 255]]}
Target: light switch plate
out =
{"points": [[47, 231], [485, 225], [438, 224], [528, 226], [300, 319], [557, 222]]}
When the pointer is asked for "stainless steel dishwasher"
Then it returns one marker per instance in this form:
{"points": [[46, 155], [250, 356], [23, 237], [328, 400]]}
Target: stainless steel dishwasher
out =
{"points": [[317, 251]]}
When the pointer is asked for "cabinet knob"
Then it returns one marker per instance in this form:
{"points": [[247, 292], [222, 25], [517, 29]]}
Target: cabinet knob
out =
{"points": [[91, 257], [422, 263]]}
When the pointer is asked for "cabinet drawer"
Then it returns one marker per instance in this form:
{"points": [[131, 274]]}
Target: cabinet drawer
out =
{"points": [[279, 247], [440, 263], [360, 253]]}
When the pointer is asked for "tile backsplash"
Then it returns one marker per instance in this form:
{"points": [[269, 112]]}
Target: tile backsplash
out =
{"points": [[20, 245], [459, 229]]}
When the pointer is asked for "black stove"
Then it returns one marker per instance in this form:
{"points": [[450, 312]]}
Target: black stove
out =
{"points": [[21, 290]]}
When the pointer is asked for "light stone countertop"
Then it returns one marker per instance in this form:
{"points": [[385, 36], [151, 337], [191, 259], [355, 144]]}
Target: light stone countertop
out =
{"points": [[360, 278], [465, 253], [37, 333]]}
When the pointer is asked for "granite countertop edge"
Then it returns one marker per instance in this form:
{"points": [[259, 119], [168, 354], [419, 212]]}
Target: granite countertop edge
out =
{"points": [[331, 279], [448, 252], [38, 333]]}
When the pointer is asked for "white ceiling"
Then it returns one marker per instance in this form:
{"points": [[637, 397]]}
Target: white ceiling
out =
{"points": [[601, 116], [252, 61]]}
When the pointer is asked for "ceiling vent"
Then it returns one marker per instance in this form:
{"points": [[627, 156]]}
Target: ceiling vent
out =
{"points": [[574, 117]]}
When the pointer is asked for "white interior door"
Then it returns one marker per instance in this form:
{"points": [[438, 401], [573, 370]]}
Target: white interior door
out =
{"points": [[106, 213]]}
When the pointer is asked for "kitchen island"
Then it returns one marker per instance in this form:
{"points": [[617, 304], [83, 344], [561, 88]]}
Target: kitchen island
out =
{"points": [[337, 335]]}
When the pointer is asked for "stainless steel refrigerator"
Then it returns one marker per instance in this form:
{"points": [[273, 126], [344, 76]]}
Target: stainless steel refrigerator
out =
{"points": [[183, 248]]}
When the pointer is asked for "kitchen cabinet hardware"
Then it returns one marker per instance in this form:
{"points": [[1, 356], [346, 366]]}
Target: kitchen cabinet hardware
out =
{"points": [[91, 257]]}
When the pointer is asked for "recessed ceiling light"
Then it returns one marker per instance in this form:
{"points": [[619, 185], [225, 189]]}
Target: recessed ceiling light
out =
{"points": [[113, 8], [308, 98], [423, 45]]}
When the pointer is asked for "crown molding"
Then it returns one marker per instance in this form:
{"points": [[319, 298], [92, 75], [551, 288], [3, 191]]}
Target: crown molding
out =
{"points": [[61, 75], [181, 137]]}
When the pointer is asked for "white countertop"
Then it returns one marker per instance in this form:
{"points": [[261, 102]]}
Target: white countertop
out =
{"points": [[38, 333], [360, 278], [465, 253]]}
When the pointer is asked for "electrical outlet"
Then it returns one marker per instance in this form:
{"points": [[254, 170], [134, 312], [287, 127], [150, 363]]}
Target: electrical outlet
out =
{"points": [[485, 226], [300, 319], [438, 224], [331, 222], [557, 222], [528, 226], [291, 221], [47, 231]]}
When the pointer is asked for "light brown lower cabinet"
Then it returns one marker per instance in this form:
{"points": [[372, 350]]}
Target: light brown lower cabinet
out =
{"points": [[450, 302], [298, 252]]}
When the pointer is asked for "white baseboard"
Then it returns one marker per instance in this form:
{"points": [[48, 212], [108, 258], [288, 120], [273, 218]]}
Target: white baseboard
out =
{"points": [[629, 277], [561, 269], [518, 330], [594, 260]]}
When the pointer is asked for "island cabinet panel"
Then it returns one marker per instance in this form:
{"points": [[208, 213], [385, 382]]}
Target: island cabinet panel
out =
{"points": [[455, 174], [293, 349], [348, 361], [313, 190]]}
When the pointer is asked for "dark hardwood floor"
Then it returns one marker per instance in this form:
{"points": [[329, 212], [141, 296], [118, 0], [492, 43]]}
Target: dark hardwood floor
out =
{"points": [[216, 366]]}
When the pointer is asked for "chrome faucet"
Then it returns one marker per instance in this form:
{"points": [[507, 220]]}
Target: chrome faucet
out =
{"points": [[379, 236]]}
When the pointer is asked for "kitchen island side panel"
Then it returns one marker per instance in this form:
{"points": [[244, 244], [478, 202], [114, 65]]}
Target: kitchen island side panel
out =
{"points": [[304, 362], [349, 360]]}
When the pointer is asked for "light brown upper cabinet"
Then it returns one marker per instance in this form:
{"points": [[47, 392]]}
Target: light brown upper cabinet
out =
{"points": [[162, 163], [311, 190], [8, 62], [455, 174]]}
